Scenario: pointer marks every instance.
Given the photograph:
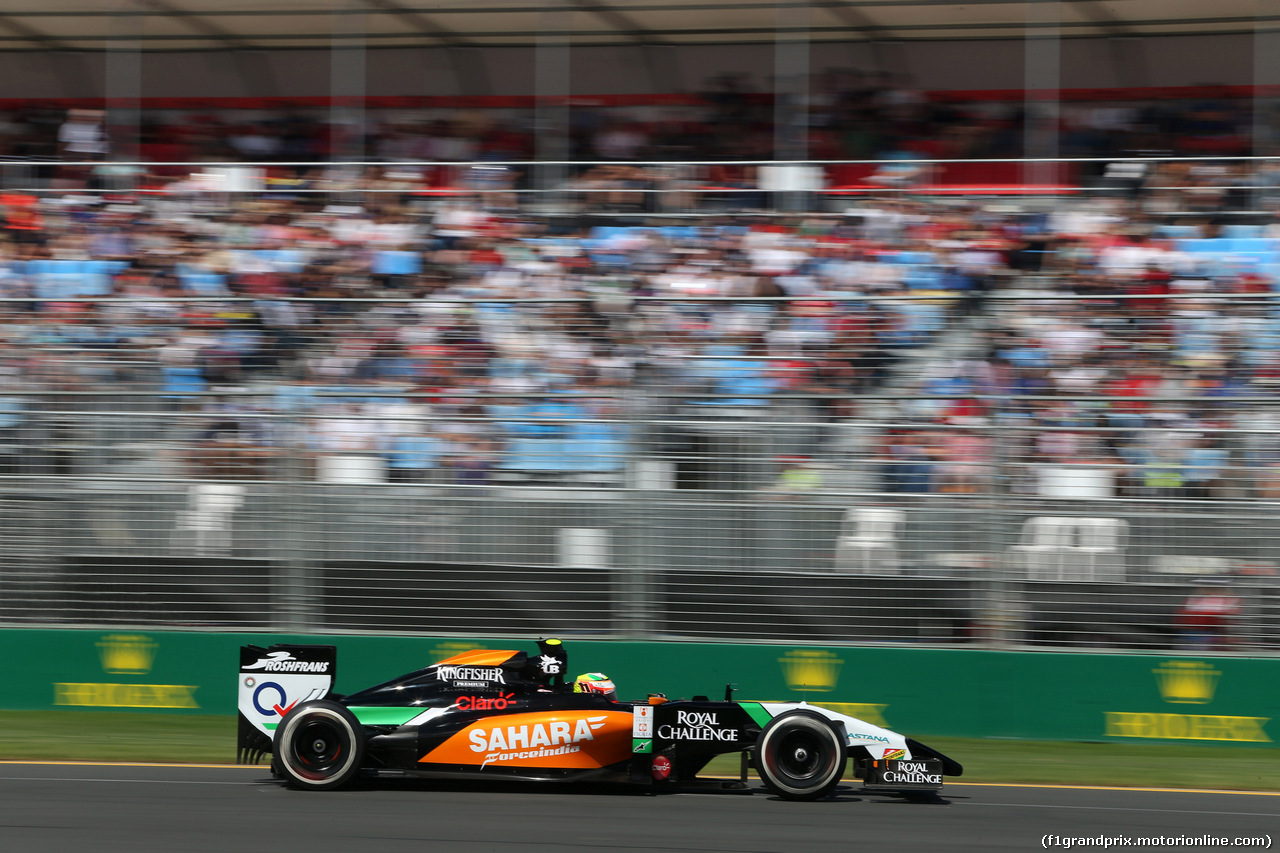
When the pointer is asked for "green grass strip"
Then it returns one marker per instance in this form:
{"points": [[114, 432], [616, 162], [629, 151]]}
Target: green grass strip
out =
{"points": [[116, 736]]}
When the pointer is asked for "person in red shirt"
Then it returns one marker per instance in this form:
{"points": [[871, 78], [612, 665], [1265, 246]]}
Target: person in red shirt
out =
{"points": [[1204, 621]]}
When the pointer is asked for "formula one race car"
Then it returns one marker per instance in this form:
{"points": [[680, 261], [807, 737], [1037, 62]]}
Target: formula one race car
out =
{"points": [[504, 714]]}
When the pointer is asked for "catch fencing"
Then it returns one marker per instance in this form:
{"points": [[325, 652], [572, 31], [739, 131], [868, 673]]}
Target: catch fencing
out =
{"points": [[712, 493]]}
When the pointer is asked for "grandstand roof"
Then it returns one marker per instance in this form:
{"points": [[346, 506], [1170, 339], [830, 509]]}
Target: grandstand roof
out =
{"points": [[174, 25]]}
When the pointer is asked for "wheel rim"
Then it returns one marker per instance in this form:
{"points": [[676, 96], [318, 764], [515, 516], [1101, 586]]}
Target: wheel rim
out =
{"points": [[319, 748], [800, 756]]}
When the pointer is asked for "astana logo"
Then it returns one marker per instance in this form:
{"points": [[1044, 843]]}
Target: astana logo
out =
{"points": [[130, 654], [811, 669], [1189, 682]]}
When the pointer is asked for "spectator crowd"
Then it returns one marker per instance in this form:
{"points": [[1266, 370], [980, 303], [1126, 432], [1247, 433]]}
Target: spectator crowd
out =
{"points": [[850, 115], [978, 345]]}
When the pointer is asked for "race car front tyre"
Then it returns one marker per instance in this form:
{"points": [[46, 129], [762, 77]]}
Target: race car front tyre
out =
{"points": [[319, 746], [800, 756]]}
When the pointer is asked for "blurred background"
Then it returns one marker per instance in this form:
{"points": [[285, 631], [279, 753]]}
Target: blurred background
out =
{"points": [[877, 322]]}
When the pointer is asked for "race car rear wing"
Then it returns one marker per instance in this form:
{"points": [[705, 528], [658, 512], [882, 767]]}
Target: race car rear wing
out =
{"points": [[272, 681]]}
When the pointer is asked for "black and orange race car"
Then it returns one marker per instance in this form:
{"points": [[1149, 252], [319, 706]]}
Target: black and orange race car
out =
{"points": [[506, 714]]}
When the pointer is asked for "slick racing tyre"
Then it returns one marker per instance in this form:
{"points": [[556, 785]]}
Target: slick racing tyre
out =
{"points": [[800, 756], [319, 746]]}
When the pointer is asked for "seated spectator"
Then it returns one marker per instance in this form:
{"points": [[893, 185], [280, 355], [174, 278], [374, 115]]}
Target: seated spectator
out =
{"points": [[908, 462], [229, 448], [965, 458], [1206, 463]]}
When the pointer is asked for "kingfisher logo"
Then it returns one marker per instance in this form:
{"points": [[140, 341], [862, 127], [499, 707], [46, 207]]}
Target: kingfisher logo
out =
{"points": [[539, 740], [471, 676], [286, 662]]}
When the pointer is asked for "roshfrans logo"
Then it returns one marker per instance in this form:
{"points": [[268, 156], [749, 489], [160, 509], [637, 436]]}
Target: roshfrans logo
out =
{"points": [[127, 654], [1189, 682], [811, 669], [286, 662]]}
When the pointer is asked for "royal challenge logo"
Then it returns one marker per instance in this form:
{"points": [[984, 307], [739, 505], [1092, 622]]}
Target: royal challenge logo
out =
{"points": [[697, 725]]}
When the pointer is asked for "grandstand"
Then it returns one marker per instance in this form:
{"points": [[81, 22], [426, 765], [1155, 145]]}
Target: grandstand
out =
{"points": [[824, 356]]}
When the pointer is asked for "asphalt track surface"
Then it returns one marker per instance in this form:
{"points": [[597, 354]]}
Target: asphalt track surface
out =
{"points": [[191, 809]]}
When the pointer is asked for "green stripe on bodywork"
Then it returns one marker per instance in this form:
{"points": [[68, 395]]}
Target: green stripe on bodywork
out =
{"points": [[757, 712], [378, 716]]}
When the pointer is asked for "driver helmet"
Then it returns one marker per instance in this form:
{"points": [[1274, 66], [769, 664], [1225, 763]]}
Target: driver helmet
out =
{"points": [[597, 683]]}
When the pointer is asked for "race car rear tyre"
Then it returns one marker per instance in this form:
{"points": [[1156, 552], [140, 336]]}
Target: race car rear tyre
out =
{"points": [[800, 756], [319, 746]]}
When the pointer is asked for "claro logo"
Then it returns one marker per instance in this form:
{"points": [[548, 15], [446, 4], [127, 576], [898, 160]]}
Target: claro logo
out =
{"points": [[501, 702]]}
